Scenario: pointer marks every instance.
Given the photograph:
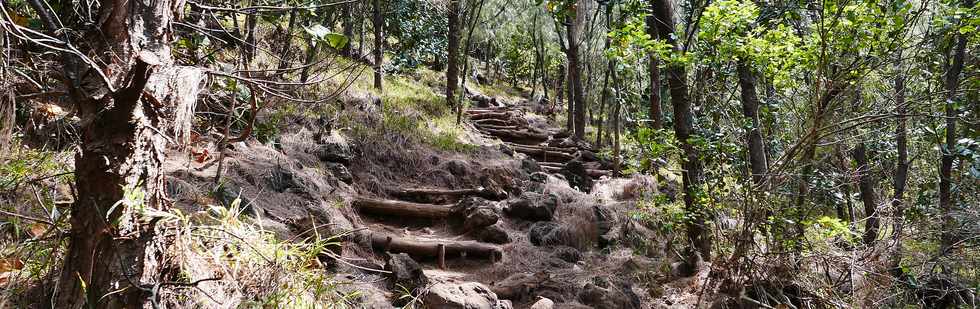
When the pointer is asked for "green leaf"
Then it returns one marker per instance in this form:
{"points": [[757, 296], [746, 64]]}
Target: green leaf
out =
{"points": [[336, 40]]}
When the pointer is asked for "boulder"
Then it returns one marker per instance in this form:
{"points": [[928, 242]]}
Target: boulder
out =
{"points": [[465, 295], [480, 218], [227, 193], [405, 272], [539, 177], [604, 292], [456, 167], [493, 234], [282, 179], [530, 166], [340, 172], [533, 206], [543, 303], [544, 233], [520, 286], [577, 175], [567, 254], [334, 152]]}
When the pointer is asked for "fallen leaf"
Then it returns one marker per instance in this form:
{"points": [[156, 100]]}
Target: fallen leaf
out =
{"points": [[38, 229], [8, 264]]}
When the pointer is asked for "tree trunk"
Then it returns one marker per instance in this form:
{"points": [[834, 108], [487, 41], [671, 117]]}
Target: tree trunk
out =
{"points": [[866, 188], [570, 117], [952, 81], [249, 49], [574, 76], [112, 245], [698, 235], [750, 109], [452, 67], [378, 44], [348, 11], [900, 177], [288, 42], [656, 113]]}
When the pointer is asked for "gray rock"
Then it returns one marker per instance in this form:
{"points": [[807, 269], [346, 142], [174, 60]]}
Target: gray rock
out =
{"points": [[544, 233], [493, 234], [480, 218], [543, 303], [533, 206], [530, 166], [226, 194], [604, 292], [405, 272], [340, 172], [465, 295], [567, 254], [333, 152], [539, 177], [577, 176], [282, 179], [456, 167]]}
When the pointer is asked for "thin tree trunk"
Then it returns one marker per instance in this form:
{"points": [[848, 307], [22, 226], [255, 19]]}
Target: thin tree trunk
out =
{"points": [[378, 45], [311, 51], [900, 177], [656, 113], [452, 67], [474, 16], [575, 77], [750, 109], [952, 81], [287, 45], [698, 234], [866, 187]]}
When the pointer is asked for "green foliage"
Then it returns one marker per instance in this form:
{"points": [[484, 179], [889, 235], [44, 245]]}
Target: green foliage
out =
{"points": [[420, 31], [322, 35]]}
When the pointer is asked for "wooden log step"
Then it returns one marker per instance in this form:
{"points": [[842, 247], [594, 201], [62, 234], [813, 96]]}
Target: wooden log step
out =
{"points": [[544, 154], [402, 208], [479, 110], [525, 135], [594, 173], [496, 122], [568, 150], [496, 127], [430, 249], [425, 193], [552, 164], [491, 115]]}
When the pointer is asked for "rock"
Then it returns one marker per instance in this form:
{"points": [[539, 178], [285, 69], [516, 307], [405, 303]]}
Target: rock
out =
{"points": [[544, 233], [334, 152], [466, 295], [604, 292], [530, 166], [282, 179], [533, 206], [227, 193], [405, 272], [577, 175], [606, 224], [340, 172], [539, 177], [493, 234], [567, 254], [476, 212], [543, 303], [456, 167], [520, 286], [506, 150], [480, 218]]}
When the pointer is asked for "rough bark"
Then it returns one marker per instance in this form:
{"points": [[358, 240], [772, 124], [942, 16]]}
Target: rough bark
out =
{"points": [[866, 189], [697, 232], [750, 109], [452, 67], [378, 24], [401, 208], [286, 50], [656, 114], [120, 152], [901, 174], [952, 81], [575, 76], [429, 249]]}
